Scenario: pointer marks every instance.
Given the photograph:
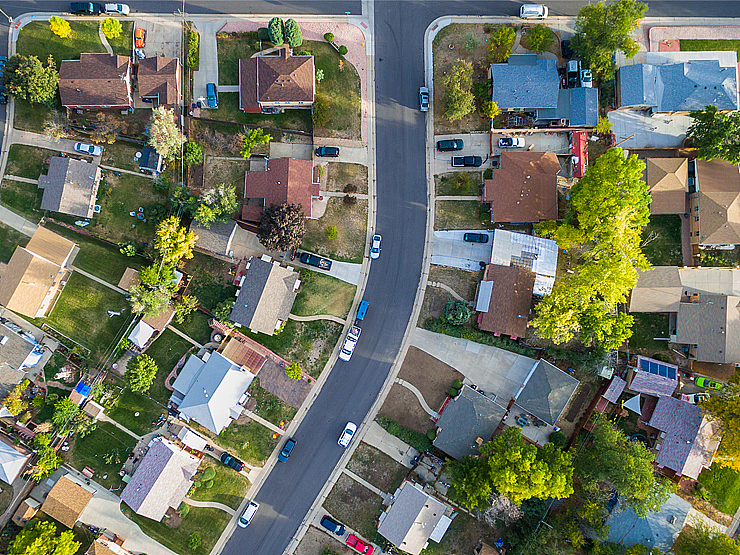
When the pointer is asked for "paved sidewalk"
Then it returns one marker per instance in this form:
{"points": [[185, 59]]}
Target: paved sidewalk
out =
{"points": [[210, 505], [104, 40], [22, 179], [389, 444], [413, 389], [317, 317], [17, 222], [105, 418], [100, 281], [365, 483]]}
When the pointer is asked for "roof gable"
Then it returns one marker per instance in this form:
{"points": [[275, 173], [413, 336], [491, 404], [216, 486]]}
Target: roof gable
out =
{"points": [[216, 238], [66, 501], [713, 324], [159, 77], [546, 391], [525, 82], [70, 186], [285, 78], [100, 80]]}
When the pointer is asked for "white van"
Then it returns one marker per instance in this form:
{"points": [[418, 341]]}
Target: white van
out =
{"points": [[533, 11], [249, 513]]}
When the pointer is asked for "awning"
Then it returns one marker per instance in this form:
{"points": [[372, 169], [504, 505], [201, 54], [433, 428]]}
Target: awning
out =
{"points": [[580, 153]]}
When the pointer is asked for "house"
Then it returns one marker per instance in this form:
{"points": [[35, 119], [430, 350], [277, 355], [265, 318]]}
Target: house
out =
{"points": [[525, 83], [159, 80], [679, 82], [653, 377], [150, 326], [536, 254], [276, 82], [221, 238], [211, 391], [284, 181], [413, 518], [656, 530], [25, 512], [579, 107], [161, 480], [93, 410], [12, 460], [545, 392], [714, 207], [688, 439], [710, 325], [668, 181], [504, 300], [524, 188], [266, 295], [104, 546], [150, 161], [70, 186], [96, 81], [19, 350], [467, 422], [66, 501], [36, 273]]}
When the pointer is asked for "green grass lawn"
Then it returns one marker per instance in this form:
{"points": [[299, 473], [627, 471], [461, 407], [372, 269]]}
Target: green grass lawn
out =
{"points": [[663, 237], [230, 51], [166, 350], [461, 214], [28, 161], [81, 314], [121, 45], [208, 283], [322, 294], [724, 485], [36, 39], [9, 240], [228, 110], [89, 451], [121, 155], [229, 487], [56, 361], [207, 523], [648, 326], [459, 184], [129, 403], [22, 198], [34, 117], [196, 326], [250, 442], [270, 407], [712, 45]]}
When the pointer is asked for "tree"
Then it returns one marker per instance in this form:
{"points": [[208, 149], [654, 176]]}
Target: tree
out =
{"points": [[193, 153], [64, 412], [46, 464], [183, 201], [604, 126], [275, 30], [698, 539], [150, 303], [716, 135], [456, 313], [140, 373], [158, 275], [603, 29], [499, 49], [458, 98], [539, 38], [193, 541], [14, 401], [282, 227], [107, 128], [725, 407], [293, 34], [293, 371], [319, 75], [184, 307], [27, 78], [217, 204], [490, 109], [41, 539], [111, 28], [129, 249], [173, 241], [256, 137], [222, 312], [470, 482], [41, 440], [626, 466], [60, 27], [164, 135]]}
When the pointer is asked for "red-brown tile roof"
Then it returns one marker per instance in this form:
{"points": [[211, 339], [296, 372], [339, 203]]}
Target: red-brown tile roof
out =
{"points": [[159, 77], [511, 298], [98, 80], [248, 85], [286, 181]]}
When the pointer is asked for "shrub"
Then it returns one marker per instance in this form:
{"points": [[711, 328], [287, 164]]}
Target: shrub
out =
{"points": [[343, 50], [328, 37], [349, 200], [60, 27], [276, 31], [129, 249], [604, 126], [263, 34], [197, 484], [488, 173], [431, 434], [439, 325], [209, 484], [209, 473], [539, 38], [490, 109], [293, 34], [194, 541], [192, 153], [457, 384], [332, 233], [193, 59], [417, 440], [112, 28], [183, 509], [559, 439], [452, 392], [293, 371], [470, 42], [456, 313]]}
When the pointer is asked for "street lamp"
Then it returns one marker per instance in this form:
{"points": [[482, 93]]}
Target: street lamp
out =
{"points": [[10, 19]]}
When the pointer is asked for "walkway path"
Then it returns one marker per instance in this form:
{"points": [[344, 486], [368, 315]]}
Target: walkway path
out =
{"points": [[694, 517], [17, 222], [317, 317], [458, 197], [339, 194], [100, 281], [210, 505], [22, 179], [364, 482], [447, 288], [140, 174], [262, 421], [419, 396], [45, 141], [185, 337], [105, 418], [103, 39], [389, 444]]}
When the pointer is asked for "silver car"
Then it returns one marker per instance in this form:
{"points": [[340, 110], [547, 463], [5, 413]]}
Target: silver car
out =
{"points": [[92, 150]]}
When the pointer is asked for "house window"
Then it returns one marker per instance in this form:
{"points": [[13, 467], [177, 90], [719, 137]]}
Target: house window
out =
{"points": [[697, 234]]}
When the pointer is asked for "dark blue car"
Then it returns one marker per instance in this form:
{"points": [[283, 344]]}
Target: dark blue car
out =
{"points": [[332, 525], [287, 450]]}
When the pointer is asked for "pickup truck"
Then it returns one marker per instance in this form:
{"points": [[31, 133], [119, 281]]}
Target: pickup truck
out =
{"points": [[360, 546], [317, 261], [467, 161]]}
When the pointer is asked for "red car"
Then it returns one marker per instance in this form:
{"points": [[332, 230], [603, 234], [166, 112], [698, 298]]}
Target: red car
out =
{"points": [[360, 546], [139, 38]]}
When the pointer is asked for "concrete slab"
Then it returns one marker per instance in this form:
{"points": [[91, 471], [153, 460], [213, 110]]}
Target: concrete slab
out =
{"points": [[475, 144], [208, 68], [658, 131], [163, 37], [390, 445], [346, 271], [291, 150], [449, 249]]}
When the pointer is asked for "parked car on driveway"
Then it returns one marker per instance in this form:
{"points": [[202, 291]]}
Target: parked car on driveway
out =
{"points": [[85, 148], [287, 450], [587, 78], [375, 247], [475, 238], [467, 161], [423, 99], [358, 545], [450, 145], [695, 398], [349, 431], [511, 142], [212, 95], [707, 383], [232, 462], [139, 38], [317, 261], [332, 525], [327, 151]]}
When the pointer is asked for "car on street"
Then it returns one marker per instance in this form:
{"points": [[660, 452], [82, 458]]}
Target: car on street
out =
{"points": [[122, 9], [467, 161], [511, 142], [327, 151], [533, 11], [332, 525], [349, 430], [232, 462], [375, 247], [287, 450], [249, 513], [707, 383], [350, 342], [316, 261], [85, 8], [358, 545], [695, 398], [423, 99], [212, 95], [3, 96], [85, 148], [139, 38], [450, 145], [475, 238]]}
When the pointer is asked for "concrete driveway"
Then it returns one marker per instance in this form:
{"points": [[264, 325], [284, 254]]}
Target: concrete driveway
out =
{"points": [[449, 249], [208, 68], [163, 37], [475, 144], [291, 150], [346, 271]]}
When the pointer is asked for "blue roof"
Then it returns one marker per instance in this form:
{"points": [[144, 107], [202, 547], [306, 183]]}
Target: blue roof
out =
{"points": [[658, 529], [580, 106], [83, 389], [525, 82]]}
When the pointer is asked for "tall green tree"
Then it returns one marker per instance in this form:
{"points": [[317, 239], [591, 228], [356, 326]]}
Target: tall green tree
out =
{"points": [[217, 204], [41, 539], [700, 540], [716, 135], [602, 29], [293, 35], [255, 137], [282, 227], [64, 413], [46, 464], [174, 242], [140, 373], [150, 302], [164, 135], [725, 407], [459, 99], [27, 78], [276, 32], [539, 38]]}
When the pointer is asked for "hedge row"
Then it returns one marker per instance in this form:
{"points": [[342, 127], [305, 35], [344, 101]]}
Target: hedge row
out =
{"points": [[438, 325], [193, 59], [418, 441]]}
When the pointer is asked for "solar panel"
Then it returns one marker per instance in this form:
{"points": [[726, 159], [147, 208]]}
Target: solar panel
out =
{"points": [[657, 368]]}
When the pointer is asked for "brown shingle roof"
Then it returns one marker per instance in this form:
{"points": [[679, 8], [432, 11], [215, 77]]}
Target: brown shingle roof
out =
{"points": [[99, 80], [275, 80], [511, 298], [667, 179], [286, 181], [66, 501], [719, 217], [159, 78], [717, 175], [248, 85], [70, 186], [524, 188]]}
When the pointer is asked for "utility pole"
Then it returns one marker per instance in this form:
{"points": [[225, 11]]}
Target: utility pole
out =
{"points": [[10, 19]]}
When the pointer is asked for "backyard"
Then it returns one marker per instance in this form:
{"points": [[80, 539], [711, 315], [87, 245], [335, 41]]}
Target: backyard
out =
{"points": [[648, 327], [322, 294], [136, 412], [121, 155], [228, 110], [209, 282], [22, 198], [228, 488], [167, 349], [9, 240], [195, 326], [724, 486], [661, 240], [340, 232]]}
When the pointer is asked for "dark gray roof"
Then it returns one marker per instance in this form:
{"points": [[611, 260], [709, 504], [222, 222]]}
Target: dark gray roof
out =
{"points": [[70, 186], [657, 529], [469, 416], [679, 87], [150, 160], [217, 238], [525, 82], [713, 324], [546, 392], [580, 106]]}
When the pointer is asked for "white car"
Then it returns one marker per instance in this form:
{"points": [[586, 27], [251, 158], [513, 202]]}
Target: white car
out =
{"points": [[375, 247], [350, 343], [248, 515], [122, 9], [695, 398], [511, 142], [533, 11], [92, 150], [347, 434]]}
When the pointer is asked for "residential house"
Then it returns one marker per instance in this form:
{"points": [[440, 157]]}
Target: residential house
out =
{"points": [[659, 529], [545, 392], [668, 180], [688, 439], [413, 518], [276, 81], [211, 391], [161, 480], [524, 188], [710, 325], [653, 377], [714, 205], [25, 512], [579, 107], [192, 439], [504, 300], [673, 82], [150, 161], [96, 81], [159, 80], [284, 181], [221, 238], [19, 351], [525, 83], [13, 460], [66, 501], [70, 186], [36, 273], [104, 546], [266, 295], [536, 254]]}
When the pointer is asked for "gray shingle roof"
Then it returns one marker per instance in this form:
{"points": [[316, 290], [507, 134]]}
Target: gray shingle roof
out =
{"points": [[579, 106], [217, 238], [70, 186], [655, 530], [546, 392], [525, 82], [713, 324]]}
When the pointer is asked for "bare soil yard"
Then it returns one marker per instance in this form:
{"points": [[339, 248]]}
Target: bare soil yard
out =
{"points": [[402, 406], [316, 541], [355, 505], [377, 468], [462, 282], [341, 174], [350, 222], [462, 536], [230, 172]]}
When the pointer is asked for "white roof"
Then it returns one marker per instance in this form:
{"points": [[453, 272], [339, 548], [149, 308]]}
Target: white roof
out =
{"points": [[141, 334], [533, 253], [11, 463], [484, 296], [191, 439]]}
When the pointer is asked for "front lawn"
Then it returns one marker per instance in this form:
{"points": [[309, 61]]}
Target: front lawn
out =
{"points": [[121, 45], [340, 175], [129, 404], [350, 223], [710, 45], [9, 240], [34, 117], [662, 240], [166, 350], [229, 487], [230, 51], [270, 407], [353, 504], [461, 214], [250, 442], [81, 313], [22, 198], [228, 110], [322, 294], [459, 184], [28, 161], [36, 39], [724, 485]]}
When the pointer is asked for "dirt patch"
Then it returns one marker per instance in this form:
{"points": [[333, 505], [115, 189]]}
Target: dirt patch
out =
{"points": [[702, 506], [377, 468], [350, 222], [402, 406], [355, 505], [463, 535], [462, 282], [315, 541], [341, 174], [230, 172], [581, 399], [429, 375]]}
